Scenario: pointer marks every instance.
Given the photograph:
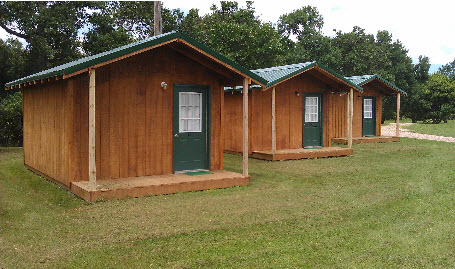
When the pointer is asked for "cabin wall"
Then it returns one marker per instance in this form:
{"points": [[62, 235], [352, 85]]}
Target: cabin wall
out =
{"points": [[357, 120], [46, 121], [134, 131], [339, 107], [289, 110], [289, 115], [340, 112]]}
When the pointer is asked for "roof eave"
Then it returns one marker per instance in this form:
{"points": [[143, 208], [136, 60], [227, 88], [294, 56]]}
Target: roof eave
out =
{"points": [[136, 49], [385, 82]]}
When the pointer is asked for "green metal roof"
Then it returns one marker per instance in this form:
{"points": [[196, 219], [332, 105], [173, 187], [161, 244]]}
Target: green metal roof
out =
{"points": [[362, 80], [275, 75], [90, 61]]}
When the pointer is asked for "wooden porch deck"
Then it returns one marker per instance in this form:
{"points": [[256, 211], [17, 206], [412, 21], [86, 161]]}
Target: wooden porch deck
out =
{"points": [[157, 185], [367, 139], [301, 153]]}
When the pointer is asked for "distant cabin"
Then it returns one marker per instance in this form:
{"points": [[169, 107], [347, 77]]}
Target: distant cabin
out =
{"points": [[116, 123], [367, 116], [296, 115]]}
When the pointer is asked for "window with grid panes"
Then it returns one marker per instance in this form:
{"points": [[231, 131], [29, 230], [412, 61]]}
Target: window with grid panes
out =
{"points": [[368, 108], [190, 117], [311, 109]]}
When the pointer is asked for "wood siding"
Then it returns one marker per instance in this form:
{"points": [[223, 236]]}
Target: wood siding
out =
{"points": [[357, 121], [46, 124], [289, 115], [134, 113]]}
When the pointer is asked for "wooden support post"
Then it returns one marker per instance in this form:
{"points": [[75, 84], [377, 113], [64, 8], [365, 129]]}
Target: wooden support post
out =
{"points": [[398, 115], [245, 126], [158, 27], [350, 115], [91, 132], [273, 122]]}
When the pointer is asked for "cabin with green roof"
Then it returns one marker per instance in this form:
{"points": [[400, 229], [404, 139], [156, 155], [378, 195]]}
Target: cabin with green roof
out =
{"points": [[142, 119], [367, 116], [295, 115]]}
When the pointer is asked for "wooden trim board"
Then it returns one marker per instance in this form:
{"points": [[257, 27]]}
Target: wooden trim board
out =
{"points": [[369, 139], [158, 185], [294, 154]]}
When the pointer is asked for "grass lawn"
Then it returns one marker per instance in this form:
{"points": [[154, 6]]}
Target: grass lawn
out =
{"points": [[389, 205], [443, 129]]}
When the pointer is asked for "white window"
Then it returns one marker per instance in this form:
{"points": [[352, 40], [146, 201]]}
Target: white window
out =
{"points": [[368, 108], [190, 116], [311, 109]]}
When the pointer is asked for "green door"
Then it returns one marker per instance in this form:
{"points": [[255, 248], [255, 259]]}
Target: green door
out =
{"points": [[369, 116], [312, 119], [190, 124]]}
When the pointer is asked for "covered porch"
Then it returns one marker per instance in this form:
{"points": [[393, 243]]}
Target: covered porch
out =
{"points": [[158, 184], [301, 153]]}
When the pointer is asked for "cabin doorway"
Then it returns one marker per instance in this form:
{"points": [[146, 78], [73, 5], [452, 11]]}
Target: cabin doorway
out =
{"points": [[369, 116], [312, 120], [190, 128]]}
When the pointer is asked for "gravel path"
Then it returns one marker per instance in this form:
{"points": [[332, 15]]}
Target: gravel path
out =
{"points": [[389, 130]]}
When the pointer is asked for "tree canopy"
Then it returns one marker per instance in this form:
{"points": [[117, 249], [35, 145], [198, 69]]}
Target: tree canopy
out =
{"points": [[56, 32]]}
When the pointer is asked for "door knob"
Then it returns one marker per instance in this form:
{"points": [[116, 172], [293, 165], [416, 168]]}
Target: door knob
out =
{"points": [[176, 135]]}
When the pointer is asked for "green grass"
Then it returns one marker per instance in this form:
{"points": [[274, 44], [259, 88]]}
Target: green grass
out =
{"points": [[442, 129], [389, 205]]}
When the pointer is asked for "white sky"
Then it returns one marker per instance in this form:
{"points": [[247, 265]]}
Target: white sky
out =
{"points": [[424, 27]]}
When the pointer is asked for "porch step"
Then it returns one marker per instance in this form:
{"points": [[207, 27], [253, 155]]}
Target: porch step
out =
{"points": [[301, 153], [157, 185]]}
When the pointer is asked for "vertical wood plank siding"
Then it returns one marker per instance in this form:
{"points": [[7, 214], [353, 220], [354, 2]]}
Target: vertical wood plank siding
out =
{"points": [[134, 115], [46, 129], [289, 115]]}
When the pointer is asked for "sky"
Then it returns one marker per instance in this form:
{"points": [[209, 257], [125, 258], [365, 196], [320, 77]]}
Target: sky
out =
{"points": [[424, 27]]}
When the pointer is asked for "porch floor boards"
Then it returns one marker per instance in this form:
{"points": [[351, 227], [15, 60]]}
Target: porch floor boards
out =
{"points": [[158, 185], [301, 153], [367, 139]]}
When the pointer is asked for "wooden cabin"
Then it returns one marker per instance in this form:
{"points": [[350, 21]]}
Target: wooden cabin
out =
{"points": [[294, 116], [366, 125], [141, 119]]}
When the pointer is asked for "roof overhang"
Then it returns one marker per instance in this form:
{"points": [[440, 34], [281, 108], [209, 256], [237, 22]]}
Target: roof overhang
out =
{"points": [[383, 85], [85, 64], [377, 82], [319, 71]]}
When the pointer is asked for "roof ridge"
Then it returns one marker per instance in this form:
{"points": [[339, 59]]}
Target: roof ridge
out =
{"points": [[289, 66], [363, 79]]}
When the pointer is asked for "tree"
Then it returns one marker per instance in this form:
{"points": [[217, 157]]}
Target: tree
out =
{"points": [[137, 17], [50, 29], [11, 120], [11, 63], [439, 92], [448, 70], [104, 35], [306, 24], [422, 69], [303, 23], [236, 33]]}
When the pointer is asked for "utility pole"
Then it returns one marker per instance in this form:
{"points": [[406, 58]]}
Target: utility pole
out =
{"points": [[158, 27]]}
